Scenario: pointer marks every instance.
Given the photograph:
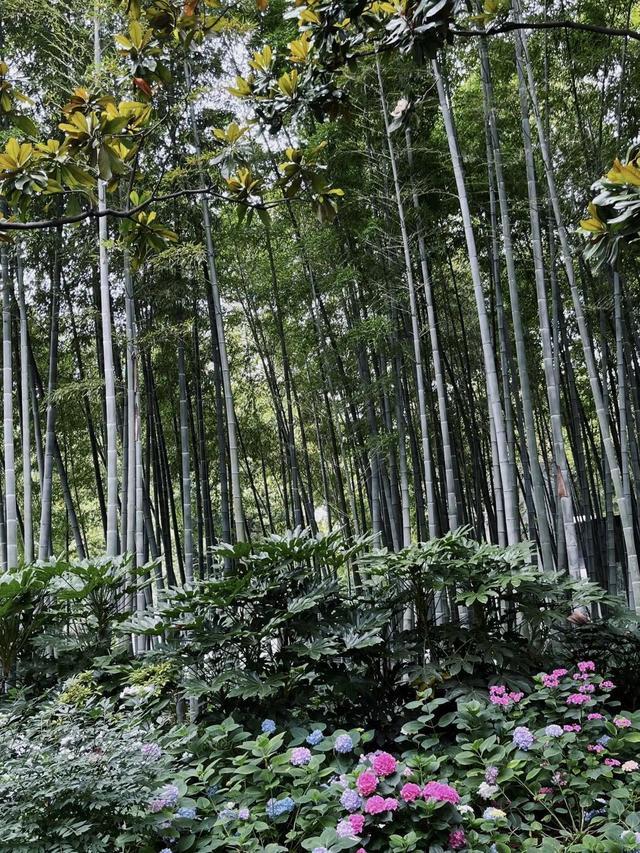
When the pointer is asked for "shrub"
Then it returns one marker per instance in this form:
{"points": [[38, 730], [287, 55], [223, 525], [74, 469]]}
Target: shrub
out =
{"points": [[73, 781], [551, 770]]}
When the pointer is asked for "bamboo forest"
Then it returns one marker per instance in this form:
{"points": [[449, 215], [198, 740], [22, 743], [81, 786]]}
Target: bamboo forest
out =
{"points": [[320, 446]]}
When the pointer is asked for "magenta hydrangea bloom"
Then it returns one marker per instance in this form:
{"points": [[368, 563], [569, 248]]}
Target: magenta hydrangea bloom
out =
{"points": [[586, 688], [622, 722], [586, 666], [457, 839], [391, 803], [607, 685], [612, 762], [572, 727], [595, 747], [300, 756], [375, 805], [384, 764], [410, 792], [595, 716], [366, 783], [357, 823], [441, 793], [550, 681]]}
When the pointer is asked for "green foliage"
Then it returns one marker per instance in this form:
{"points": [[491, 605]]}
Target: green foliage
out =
{"points": [[614, 219], [73, 781], [280, 628], [503, 612]]}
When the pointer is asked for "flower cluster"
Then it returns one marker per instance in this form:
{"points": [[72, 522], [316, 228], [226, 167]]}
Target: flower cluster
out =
{"points": [[167, 798], [275, 808], [499, 695]]}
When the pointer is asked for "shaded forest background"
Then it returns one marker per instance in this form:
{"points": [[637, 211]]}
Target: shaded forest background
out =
{"points": [[334, 374]]}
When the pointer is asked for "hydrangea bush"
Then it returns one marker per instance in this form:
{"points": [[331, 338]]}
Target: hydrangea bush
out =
{"points": [[72, 781], [552, 770]]}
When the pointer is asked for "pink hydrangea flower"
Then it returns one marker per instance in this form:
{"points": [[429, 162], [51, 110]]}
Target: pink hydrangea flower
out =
{"points": [[572, 727], [630, 766], [384, 764], [375, 805], [410, 792], [595, 747], [457, 839], [361, 850], [545, 790], [560, 672], [357, 822], [622, 722], [577, 699], [612, 762], [441, 793], [498, 695], [587, 666], [391, 803], [595, 716], [366, 783], [586, 688], [607, 685], [550, 680]]}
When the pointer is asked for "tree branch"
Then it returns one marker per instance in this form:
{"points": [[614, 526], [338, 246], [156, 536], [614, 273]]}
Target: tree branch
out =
{"points": [[94, 213]]}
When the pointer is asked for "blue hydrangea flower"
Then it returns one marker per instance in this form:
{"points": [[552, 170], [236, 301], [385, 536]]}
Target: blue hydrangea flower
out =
{"points": [[275, 808], [493, 814], [523, 738], [343, 744], [228, 814], [604, 740], [589, 816], [351, 800], [186, 812], [554, 731], [212, 790], [268, 727], [314, 739]]}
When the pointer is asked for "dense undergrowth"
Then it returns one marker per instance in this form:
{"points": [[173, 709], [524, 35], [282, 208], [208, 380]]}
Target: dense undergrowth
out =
{"points": [[313, 695]]}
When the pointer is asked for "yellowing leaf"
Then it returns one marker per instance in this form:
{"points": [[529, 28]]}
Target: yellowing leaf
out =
{"points": [[300, 48]]}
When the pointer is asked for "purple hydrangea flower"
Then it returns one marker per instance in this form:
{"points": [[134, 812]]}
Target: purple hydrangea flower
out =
{"points": [[491, 775], [343, 744], [344, 829], [300, 756], [523, 738], [151, 751], [351, 800]]}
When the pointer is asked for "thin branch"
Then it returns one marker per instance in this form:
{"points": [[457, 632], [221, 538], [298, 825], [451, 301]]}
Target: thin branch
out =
{"points": [[94, 213]]}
